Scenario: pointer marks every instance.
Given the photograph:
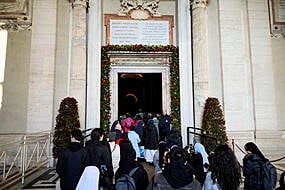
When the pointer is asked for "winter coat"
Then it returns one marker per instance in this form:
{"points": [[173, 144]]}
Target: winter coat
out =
{"points": [[164, 124], [200, 149], [70, 165], [174, 139], [140, 176], [151, 138], [252, 172], [135, 139], [196, 161], [160, 183], [156, 123], [117, 128], [99, 155], [139, 124]]}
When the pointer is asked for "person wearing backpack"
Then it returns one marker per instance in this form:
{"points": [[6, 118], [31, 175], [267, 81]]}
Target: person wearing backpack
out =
{"points": [[177, 173], [130, 171], [100, 156], [259, 173]]}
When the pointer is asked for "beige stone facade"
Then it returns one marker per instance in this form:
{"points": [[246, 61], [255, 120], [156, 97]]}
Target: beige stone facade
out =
{"points": [[227, 52]]}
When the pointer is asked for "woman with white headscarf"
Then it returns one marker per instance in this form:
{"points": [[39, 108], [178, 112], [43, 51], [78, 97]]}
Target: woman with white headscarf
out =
{"points": [[89, 179]]}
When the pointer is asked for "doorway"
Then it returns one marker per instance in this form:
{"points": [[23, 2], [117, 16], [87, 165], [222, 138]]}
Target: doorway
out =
{"points": [[139, 91]]}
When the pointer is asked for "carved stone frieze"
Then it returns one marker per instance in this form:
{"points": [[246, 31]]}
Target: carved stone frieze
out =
{"points": [[199, 3], [147, 58], [16, 15], [139, 9], [76, 3]]}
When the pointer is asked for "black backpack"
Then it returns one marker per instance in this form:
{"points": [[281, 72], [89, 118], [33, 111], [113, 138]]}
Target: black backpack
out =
{"points": [[126, 181], [268, 175]]}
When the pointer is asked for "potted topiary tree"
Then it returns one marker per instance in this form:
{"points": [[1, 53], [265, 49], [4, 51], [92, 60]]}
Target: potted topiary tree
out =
{"points": [[213, 124], [66, 121]]}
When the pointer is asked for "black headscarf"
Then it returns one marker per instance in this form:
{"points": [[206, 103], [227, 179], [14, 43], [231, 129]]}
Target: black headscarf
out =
{"points": [[250, 146], [127, 156], [178, 172], [162, 148]]}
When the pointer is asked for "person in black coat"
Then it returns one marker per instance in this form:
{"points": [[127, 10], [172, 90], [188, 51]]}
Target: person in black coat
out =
{"points": [[196, 161], [72, 161], [100, 156], [174, 138], [164, 126], [127, 163], [252, 167], [151, 142]]}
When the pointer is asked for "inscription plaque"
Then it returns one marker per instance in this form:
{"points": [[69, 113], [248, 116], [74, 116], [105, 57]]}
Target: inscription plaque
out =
{"points": [[147, 32]]}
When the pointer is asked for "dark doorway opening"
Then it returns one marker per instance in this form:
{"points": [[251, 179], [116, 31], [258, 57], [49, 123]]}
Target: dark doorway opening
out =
{"points": [[139, 90]]}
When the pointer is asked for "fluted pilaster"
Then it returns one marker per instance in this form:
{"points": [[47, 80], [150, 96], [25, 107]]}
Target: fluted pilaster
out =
{"points": [[200, 60], [78, 56]]}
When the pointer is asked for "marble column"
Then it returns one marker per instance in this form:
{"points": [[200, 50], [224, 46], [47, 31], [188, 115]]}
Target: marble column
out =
{"points": [[77, 78], [185, 68], [200, 60]]}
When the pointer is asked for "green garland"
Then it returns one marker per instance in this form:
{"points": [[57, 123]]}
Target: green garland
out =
{"points": [[105, 82]]}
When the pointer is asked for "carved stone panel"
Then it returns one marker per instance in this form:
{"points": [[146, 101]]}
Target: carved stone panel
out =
{"points": [[15, 15]]}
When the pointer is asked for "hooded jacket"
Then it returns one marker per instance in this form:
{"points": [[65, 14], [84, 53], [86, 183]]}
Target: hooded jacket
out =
{"points": [[99, 156], [70, 165]]}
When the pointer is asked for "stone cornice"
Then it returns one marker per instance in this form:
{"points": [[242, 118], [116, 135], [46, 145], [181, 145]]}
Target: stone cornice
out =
{"points": [[16, 15], [199, 4]]}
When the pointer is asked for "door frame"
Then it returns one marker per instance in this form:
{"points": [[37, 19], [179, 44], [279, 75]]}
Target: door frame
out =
{"points": [[116, 69]]}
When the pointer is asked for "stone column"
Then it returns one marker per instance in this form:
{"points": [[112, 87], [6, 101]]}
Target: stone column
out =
{"points": [[185, 68], [77, 77], [200, 60]]}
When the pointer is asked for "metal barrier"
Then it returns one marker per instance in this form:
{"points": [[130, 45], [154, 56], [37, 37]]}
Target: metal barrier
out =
{"points": [[203, 138], [20, 158], [25, 155]]}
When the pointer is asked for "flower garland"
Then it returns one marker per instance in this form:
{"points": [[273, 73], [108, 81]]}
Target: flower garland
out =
{"points": [[105, 82]]}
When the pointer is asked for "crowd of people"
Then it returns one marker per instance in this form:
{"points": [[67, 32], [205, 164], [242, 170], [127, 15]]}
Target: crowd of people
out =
{"points": [[151, 139]]}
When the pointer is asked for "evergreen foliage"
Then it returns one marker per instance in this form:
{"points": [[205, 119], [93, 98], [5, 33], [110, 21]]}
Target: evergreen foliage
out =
{"points": [[66, 121], [213, 123]]}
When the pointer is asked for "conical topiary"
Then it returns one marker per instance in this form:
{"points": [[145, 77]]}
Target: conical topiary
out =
{"points": [[213, 124], [66, 121]]}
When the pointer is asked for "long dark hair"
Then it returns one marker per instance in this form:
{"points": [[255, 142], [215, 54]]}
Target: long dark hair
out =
{"points": [[225, 168], [127, 156], [250, 146], [162, 148]]}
